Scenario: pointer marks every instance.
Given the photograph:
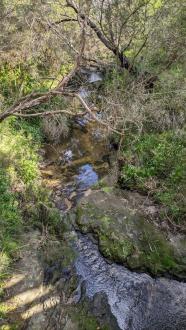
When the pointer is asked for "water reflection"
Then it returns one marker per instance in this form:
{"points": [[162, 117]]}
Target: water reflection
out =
{"points": [[76, 164], [86, 177]]}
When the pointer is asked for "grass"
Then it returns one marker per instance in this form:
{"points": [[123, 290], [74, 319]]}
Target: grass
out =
{"points": [[10, 220]]}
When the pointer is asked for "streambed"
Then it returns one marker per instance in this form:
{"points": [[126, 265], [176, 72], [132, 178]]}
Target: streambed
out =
{"points": [[135, 300]]}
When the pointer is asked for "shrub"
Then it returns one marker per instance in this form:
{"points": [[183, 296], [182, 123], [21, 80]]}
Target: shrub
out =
{"points": [[158, 158]]}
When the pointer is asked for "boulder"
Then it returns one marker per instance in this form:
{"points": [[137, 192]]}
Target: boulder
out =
{"points": [[127, 237]]}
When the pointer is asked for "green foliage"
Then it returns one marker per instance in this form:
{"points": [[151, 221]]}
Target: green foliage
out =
{"points": [[10, 223], [18, 154], [31, 127], [43, 213], [18, 80], [159, 154], [116, 79], [156, 163]]}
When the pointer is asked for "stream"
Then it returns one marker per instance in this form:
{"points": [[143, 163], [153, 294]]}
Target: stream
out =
{"points": [[134, 300]]}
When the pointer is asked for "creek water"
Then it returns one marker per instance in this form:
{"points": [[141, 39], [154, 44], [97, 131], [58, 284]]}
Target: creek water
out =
{"points": [[135, 301], [77, 163]]}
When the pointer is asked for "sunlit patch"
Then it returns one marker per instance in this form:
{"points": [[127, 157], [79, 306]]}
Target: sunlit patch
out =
{"points": [[40, 307], [26, 297], [14, 280]]}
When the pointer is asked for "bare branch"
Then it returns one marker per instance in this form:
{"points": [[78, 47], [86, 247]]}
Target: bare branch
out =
{"points": [[88, 109], [64, 20], [123, 59], [47, 113]]}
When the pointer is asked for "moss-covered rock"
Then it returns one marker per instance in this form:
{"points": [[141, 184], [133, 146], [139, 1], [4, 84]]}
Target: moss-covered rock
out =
{"points": [[127, 237]]}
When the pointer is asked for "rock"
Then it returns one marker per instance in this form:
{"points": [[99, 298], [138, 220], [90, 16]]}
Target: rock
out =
{"points": [[127, 237], [135, 300], [60, 204], [72, 195], [68, 204], [87, 192], [68, 155], [58, 192]]}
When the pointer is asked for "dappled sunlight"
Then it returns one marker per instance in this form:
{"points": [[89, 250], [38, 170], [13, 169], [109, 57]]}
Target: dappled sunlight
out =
{"points": [[30, 306], [27, 304], [27, 296], [15, 280], [49, 303]]}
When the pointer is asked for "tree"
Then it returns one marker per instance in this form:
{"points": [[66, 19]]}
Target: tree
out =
{"points": [[70, 30]]}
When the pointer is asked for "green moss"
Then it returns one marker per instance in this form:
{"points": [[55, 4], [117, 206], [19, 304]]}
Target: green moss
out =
{"points": [[113, 248], [157, 259], [128, 238], [107, 189], [112, 244], [85, 320], [98, 185], [154, 253]]}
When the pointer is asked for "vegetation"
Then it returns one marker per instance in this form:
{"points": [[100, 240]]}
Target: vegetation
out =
{"points": [[155, 164], [24, 202], [139, 46], [126, 237]]}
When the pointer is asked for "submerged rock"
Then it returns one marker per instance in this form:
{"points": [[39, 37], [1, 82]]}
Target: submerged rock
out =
{"points": [[127, 237]]}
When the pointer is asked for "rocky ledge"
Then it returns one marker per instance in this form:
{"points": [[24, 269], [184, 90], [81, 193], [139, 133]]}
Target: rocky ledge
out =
{"points": [[129, 238]]}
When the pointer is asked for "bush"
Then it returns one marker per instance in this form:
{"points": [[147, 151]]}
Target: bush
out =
{"points": [[156, 164]]}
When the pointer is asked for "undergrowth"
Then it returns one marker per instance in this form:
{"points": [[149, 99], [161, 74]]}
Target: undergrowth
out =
{"points": [[24, 202], [156, 164]]}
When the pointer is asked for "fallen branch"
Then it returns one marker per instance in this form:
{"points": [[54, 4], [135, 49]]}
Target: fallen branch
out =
{"points": [[88, 109]]}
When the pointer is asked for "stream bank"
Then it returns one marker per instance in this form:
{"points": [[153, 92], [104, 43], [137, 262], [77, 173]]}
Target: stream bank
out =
{"points": [[112, 238]]}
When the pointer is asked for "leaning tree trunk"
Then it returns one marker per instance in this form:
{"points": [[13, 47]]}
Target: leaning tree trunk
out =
{"points": [[124, 61]]}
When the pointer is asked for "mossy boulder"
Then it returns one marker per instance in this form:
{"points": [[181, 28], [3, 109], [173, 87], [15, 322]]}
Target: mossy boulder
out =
{"points": [[127, 237]]}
